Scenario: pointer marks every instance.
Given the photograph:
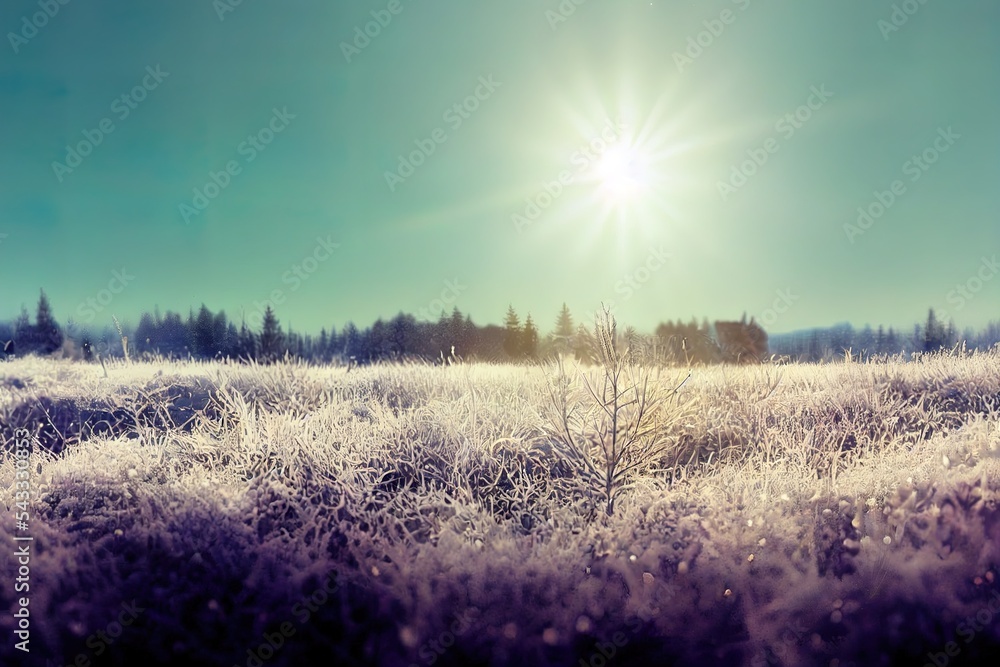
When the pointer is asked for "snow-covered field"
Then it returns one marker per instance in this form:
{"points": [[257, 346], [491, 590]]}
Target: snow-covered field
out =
{"points": [[217, 514]]}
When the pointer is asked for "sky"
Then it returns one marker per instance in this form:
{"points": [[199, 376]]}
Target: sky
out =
{"points": [[803, 162]]}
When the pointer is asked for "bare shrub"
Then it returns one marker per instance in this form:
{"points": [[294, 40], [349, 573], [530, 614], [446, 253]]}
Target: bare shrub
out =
{"points": [[621, 426]]}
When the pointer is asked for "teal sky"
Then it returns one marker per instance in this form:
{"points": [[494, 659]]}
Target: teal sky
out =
{"points": [[645, 223]]}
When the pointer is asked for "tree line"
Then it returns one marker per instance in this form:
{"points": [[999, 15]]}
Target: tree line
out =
{"points": [[834, 342], [204, 334]]}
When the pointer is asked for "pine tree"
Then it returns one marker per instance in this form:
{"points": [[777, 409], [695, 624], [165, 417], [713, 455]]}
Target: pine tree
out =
{"points": [[203, 333], [172, 336], [469, 338], [324, 343], [401, 334], [291, 344], [916, 339], [456, 328], [934, 333], [563, 334], [950, 334], [220, 335], [247, 344], [145, 335], [529, 339], [47, 336], [584, 347], [378, 345], [271, 338], [332, 345], [230, 349], [512, 333], [891, 341], [23, 334], [352, 342]]}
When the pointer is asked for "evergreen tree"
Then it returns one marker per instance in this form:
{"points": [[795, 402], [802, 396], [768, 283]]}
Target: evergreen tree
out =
{"points": [[916, 341], [950, 334], [456, 331], [271, 339], [48, 335], [232, 340], [891, 341], [172, 336], [203, 333], [246, 348], [583, 344], [512, 333], [842, 339], [145, 335], [865, 341], [334, 345], [470, 339], [6, 340], [934, 333], [220, 335], [292, 344], [529, 339], [23, 334], [563, 334], [402, 335], [351, 339], [189, 325], [378, 344], [324, 343]]}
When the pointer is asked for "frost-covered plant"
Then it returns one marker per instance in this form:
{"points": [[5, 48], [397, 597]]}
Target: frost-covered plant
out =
{"points": [[622, 426], [124, 338]]}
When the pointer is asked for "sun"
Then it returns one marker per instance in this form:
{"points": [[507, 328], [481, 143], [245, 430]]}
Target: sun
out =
{"points": [[622, 173], [634, 161]]}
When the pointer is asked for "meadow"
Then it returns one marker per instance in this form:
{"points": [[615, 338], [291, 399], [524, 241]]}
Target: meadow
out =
{"points": [[490, 514]]}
